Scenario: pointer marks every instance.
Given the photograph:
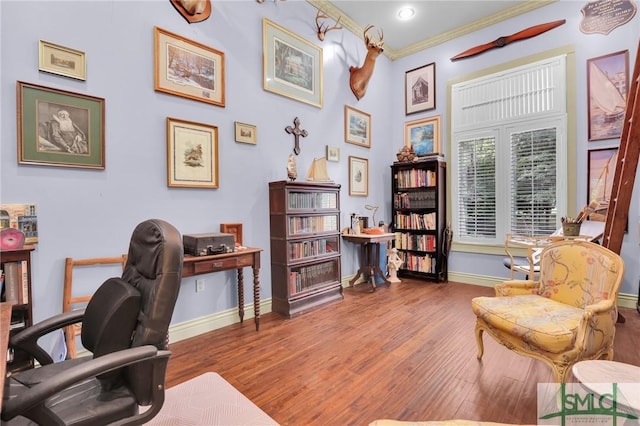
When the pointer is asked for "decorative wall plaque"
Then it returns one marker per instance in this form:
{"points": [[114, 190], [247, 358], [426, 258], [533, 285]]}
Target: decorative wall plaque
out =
{"points": [[603, 16]]}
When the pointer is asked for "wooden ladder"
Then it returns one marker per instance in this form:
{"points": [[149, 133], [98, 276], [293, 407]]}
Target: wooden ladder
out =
{"points": [[626, 165]]}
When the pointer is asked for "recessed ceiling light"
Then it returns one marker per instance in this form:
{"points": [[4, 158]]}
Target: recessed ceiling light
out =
{"points": [[405, 13]]}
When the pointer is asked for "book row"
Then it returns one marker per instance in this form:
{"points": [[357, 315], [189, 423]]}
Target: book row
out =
{"points": [[14, 279], [415, 221], [417, 263], [415, 242], [298, 250], [312, 276], [313, 200], [415, 200], [309, 224], [415, 178]]}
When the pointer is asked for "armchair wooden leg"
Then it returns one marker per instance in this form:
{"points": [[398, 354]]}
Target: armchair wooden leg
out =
{"points": [[560, 372], [479, 341]]}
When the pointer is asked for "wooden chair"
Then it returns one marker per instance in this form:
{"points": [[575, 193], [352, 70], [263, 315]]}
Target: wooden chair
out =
{"points": [[71, 301]]}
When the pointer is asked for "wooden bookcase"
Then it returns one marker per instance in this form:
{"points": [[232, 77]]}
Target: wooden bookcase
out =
{"points": [[21, 313], [305, 245], [418, 203]]}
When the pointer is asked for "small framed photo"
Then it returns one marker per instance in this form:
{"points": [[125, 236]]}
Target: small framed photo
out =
{"points": [[423, 136], [189, 69], [420, 89], [607, 87], [60, 128], [358, 176], [357, 127], [61, 60], [192, 154], [233, 228], [333, 153], [292, 66], [601, 167], [246, 133]]}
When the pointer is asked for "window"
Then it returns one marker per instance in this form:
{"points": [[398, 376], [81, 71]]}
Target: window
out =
{"points": [[508, 153]]}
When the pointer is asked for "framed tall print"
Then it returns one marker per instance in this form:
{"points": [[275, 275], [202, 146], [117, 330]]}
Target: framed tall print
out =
{"points": [[60, 128], [192, 154], [420, 89], [601, 167], [61, 60], [607, 87], [423, 136], [357, 127], [292, 66], [189, 69], [358, 176]]}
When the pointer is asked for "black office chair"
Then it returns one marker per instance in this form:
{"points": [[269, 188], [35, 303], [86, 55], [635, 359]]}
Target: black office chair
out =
{"points": [[125, 326]]}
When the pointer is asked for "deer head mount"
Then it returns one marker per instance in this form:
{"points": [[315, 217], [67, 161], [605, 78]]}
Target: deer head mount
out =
{"points": [[324, 27], [359, 78]]}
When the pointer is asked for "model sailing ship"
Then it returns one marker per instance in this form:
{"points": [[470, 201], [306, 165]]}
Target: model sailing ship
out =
{"points": [[318, 171]]}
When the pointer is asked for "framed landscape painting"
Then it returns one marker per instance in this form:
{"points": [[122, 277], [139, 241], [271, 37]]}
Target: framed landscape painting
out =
{"points": [[292, 66], [423, 136], [607, 87], [189, 69], [357, 127], [60, 128], [192, 154], [420, 89], [601, 167]]}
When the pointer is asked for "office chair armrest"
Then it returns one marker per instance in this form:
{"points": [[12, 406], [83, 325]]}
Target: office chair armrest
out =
{"points": [[36, 395], [516, 287], [27, 339]]}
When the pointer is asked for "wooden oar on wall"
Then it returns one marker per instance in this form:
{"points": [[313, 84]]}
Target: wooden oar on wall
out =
{"points": [[503, 41]]}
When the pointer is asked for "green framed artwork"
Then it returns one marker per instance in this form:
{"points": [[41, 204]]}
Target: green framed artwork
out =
{"points": [[60, 128], [292, 66]]}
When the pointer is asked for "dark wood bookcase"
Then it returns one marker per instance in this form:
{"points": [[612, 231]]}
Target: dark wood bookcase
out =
{"points": [[418, 203], [21, 313], [305, 245]]}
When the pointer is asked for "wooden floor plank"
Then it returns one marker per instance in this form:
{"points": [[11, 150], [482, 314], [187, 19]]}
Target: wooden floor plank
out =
{"points": [[404, 352]]}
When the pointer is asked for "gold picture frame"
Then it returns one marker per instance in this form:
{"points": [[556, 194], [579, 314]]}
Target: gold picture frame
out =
{"points": [[292, 66], [192, 154], [423, 136], [41, 141], [358, 176], [175, 75], [246, 133], [357, 127], [233, 228], [60, 60]]}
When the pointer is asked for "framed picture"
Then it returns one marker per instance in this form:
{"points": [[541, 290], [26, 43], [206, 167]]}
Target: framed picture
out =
{"points": [[246, 133], [233, 228], [189, 69], [357, 127], [420, 89], [333, 153], [60, 128], [358, 176], [292, 66], [61, 60], [192, 154], [601, 167], [607, 88], [423, 136]]}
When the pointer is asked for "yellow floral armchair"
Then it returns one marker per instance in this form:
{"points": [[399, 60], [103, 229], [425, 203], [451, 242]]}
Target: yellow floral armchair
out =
{"points": [[567, 315]]}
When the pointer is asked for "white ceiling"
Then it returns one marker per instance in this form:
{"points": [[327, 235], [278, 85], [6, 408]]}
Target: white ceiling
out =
{"points": [[435, 22]]}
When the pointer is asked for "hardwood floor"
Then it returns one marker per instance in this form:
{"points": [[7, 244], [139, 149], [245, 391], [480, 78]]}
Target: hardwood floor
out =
{"points": [[405, 352]]}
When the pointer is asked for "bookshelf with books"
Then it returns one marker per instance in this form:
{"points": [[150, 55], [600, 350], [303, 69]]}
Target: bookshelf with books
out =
{"points": [[16, 289], [418, 204], [305, 245]]}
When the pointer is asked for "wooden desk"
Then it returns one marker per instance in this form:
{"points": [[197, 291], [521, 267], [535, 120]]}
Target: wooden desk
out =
{"points": [[369, 255], [5, 322], [250, 256]]}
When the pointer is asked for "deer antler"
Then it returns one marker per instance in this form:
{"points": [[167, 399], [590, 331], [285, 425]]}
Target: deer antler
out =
{"points": [[367, 39], [322, 30]]}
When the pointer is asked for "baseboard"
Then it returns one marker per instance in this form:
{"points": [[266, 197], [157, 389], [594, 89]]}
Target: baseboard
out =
{"points": [[624, 300]]}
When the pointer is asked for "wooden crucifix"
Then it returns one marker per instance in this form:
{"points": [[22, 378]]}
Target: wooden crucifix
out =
{"points": [[297, 132]]}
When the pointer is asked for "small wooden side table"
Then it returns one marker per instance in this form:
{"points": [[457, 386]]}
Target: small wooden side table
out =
{"points": [[597, 376], [369, 255]]}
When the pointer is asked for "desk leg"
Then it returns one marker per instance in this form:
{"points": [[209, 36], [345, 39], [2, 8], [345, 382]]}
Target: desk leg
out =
{"points": [[370, 266], [241, 294], [256, 295], [363, 255], [376, 265]]}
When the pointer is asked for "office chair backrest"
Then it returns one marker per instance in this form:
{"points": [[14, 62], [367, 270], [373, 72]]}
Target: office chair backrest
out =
{"points": [[154, 268]]}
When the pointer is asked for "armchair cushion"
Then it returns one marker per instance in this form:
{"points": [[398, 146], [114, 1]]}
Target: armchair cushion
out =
{"points": [[538, 321]]}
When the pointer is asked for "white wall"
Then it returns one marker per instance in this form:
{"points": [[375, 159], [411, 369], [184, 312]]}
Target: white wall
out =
{"points": [[88, 213]]}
